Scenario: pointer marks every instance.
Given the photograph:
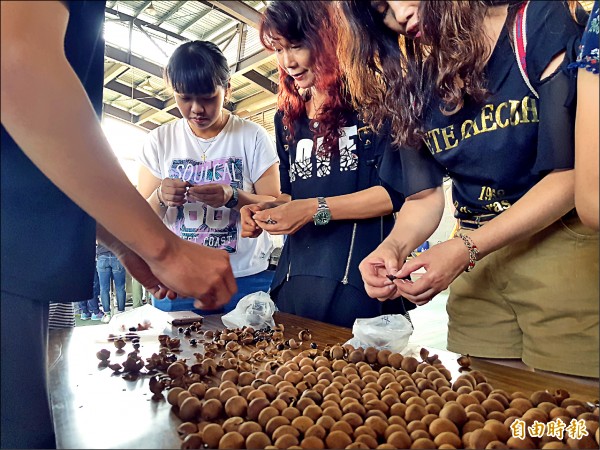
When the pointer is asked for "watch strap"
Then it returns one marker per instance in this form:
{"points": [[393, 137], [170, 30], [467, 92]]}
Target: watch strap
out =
{"points": [[233, 201], [322, 203]]}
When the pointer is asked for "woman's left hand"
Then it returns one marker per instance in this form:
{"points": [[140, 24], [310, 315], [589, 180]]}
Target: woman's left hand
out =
{"points": [[214, 195], [443, 263], [287, 218]]}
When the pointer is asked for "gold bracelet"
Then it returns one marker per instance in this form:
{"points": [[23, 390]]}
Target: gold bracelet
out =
{"points": [[473, 251], [160, 202]]}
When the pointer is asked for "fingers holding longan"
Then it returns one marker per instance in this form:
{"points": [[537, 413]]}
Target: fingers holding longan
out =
{"points": [[249, 226], [173, 191]]}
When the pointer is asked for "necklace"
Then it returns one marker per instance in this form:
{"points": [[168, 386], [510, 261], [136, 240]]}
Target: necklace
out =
{"points": [[315, 109], [314, 122], [209, 142]]}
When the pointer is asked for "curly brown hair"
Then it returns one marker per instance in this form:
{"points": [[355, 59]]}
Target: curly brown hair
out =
{"points": [[401, 74], [392, 77]]}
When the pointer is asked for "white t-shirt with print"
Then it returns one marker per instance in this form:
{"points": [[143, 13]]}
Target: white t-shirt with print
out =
{"points": [[238, 156]]}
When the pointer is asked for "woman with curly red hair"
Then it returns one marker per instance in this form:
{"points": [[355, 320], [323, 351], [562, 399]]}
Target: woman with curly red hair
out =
{"points": [[333, 207], [478, 91]]}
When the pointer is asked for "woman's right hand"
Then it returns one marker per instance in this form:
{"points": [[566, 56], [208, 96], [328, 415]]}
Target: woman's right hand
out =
{"points": [[250, 228], [173, 191], [383, 261]]}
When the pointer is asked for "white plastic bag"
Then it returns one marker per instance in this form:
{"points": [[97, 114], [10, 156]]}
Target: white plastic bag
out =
{"points": [[254, 310], [391, 331], [153, 321]]}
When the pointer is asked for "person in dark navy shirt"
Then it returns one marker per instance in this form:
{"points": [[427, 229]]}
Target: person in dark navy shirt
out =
{"points": [[59, 176], [482, 96], [334, 207]]}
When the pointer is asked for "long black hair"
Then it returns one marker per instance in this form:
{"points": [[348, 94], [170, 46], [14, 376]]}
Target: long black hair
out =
{"points": [[197, 67]]}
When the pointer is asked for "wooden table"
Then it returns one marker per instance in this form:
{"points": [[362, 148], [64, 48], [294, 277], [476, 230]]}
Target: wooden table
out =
{"points": [[95, 409]]}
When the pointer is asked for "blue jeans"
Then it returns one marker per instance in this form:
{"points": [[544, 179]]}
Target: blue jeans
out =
{"points": [[246, 285], [92, 305], [110, 267]]}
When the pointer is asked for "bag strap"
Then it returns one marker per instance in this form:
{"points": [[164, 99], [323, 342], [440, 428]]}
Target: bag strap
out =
{"points": [[520, 45]]}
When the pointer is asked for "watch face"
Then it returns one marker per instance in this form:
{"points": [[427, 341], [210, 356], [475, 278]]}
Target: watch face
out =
{"points": [[322, 217]]}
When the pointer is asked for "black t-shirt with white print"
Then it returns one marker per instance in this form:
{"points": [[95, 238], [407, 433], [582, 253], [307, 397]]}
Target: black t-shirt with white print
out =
{"points": [[497, 151], [325, 251]]}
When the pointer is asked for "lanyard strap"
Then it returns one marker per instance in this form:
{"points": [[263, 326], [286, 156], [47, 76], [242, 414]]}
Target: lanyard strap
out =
{"points": [[520, 45]]}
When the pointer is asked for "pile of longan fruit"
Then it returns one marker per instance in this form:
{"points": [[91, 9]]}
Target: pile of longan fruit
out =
{"points": [[342, 397]]}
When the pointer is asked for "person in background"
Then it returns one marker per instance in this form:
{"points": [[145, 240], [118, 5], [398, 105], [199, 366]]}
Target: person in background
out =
{"points": [[586, 125], [137, 294], [90, 309], [61, 315], [522, 265], [333, 207], [198, 171], [62, 187], [110, 270]]}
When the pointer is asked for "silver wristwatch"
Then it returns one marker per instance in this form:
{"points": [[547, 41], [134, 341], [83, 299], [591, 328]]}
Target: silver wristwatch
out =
{"points": [[323, 214]]}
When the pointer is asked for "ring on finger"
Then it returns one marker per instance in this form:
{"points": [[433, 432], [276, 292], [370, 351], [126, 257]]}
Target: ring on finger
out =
{"points": [[270, 221]]}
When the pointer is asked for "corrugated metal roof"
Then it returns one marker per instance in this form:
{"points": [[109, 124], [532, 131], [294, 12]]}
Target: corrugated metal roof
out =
{"points": [[188, 20]]}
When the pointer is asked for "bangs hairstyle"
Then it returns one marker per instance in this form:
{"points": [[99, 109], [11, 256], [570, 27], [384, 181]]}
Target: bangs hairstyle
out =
{"points": [[312, 24], [393, 77], [197, 68]]}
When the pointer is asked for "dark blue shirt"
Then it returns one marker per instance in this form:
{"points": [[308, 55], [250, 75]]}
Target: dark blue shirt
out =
{"points": [[331, 250], [48, 242], [497, 151]]}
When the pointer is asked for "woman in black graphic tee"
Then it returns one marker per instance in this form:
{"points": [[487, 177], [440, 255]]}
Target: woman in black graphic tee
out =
{"points": [[481, 95], [324, 151]]}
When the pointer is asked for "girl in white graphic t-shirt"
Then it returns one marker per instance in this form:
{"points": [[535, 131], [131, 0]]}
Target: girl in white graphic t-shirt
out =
{"points": [[198, 171]]}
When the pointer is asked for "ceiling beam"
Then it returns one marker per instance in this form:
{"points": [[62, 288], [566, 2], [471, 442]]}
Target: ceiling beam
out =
{"points": [[158, 47], [148, 115], [254, 102], [252, 62], [118, 113], [261, 81], [237, 10], [129, 59], [128, 18], [268, 107], [222, 31], [243, 66], [149, 125], [194, 19], [115, 71], [221, 37], [134, 94], [142, 8], [170, 14]]}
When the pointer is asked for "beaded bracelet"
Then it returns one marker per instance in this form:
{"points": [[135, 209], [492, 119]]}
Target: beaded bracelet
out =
{"points": [[160, 201], [473, 252]]}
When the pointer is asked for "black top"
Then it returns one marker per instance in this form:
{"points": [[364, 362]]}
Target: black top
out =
{"points": [[325, 251], [497, 151], [48, 241]]}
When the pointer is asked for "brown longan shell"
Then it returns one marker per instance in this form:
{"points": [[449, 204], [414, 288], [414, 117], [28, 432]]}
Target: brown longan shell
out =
{"points": [[448, 437], [312, 442], [232, 440], [249, 427], [257, 440], [338, 439], [423, 443], [212, 434], [399, 439]]}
